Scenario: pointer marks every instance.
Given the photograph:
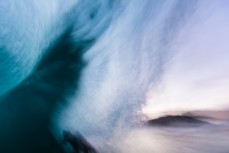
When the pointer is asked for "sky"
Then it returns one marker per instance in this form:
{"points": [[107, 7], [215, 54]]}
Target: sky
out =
{"points": [[197, 76]]}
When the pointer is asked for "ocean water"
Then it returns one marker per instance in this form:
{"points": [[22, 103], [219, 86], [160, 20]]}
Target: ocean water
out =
{"points": [[142, 60]]}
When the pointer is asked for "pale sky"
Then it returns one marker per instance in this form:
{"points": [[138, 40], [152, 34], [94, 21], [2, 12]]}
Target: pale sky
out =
{"points": [[197, 78]]}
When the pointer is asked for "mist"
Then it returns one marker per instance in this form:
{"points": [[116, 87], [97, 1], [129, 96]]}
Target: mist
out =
{"points": [[152, 61]]}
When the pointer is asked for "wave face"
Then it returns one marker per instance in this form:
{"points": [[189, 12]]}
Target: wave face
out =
{"points": [[30, 98], [134, 61]]}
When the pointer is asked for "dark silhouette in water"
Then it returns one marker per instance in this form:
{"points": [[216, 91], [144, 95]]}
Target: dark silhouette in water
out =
{"points": [[26, 111], [176, 121], [78, 143]]}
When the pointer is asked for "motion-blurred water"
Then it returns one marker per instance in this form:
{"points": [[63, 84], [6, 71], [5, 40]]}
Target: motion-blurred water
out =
{"points": [[205, 139], [150, 58], [160, 56]]}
